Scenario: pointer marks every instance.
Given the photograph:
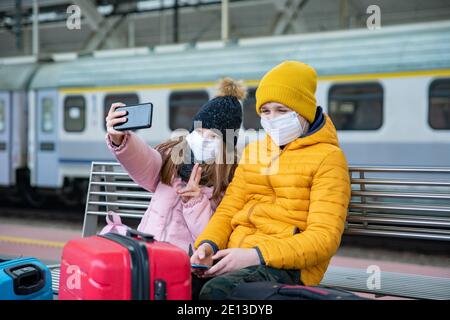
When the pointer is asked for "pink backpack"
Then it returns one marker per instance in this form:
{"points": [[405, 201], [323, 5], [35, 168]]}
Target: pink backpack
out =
{"points": [[114, 224]]}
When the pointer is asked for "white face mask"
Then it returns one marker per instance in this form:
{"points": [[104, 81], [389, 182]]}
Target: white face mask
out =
{"points": [[285, 128], [204, 149]]}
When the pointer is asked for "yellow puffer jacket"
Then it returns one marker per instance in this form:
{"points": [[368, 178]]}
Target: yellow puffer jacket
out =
{"points": [[290, 204]]}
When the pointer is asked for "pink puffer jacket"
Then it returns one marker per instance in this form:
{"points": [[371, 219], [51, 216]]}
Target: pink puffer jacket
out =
{"points": [[167, 217]]}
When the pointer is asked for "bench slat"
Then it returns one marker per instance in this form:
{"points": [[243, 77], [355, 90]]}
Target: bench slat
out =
{"points": [[396, 233], [116, 184], [398, 220], [108, 173], [120, 204], [400, 182], [415, 195], [402, 207], [104, 163], [136, 215], [392, 283], [130, 194], [399, 169]]}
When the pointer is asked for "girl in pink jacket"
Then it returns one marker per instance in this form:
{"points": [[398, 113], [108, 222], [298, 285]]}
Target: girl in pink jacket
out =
{"points": [[186, 188]]}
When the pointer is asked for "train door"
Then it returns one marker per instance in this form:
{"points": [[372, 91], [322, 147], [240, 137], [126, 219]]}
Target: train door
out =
{"points": [[5, 138], [46, 138]]}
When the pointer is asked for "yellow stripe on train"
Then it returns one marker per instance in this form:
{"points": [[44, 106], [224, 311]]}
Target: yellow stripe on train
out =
{"points": [[200, 85]]}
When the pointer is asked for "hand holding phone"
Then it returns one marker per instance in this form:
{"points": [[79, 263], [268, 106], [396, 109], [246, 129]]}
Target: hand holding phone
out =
{"points": [[137, 117], [201, 259], [115, 117]]}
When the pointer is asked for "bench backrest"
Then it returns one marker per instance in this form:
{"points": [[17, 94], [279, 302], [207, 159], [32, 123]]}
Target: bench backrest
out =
{"points": [[386, 201]]}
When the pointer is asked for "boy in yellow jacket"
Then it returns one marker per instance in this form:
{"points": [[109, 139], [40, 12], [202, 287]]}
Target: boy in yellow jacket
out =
{"points": [[282, 216]]}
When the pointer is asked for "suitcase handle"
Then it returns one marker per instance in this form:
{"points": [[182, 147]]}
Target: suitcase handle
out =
{"points": [[137, 234], [27, 279]]}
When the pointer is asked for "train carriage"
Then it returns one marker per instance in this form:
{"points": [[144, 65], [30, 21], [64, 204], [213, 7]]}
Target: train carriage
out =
{"points": [[15, 75]]}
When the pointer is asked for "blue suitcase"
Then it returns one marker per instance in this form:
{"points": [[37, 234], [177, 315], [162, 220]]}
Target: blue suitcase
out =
{"points": [[25, 279]]}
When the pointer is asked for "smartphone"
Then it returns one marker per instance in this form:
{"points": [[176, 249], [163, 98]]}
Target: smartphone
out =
{"points": [[199, 266], [138, 116]]}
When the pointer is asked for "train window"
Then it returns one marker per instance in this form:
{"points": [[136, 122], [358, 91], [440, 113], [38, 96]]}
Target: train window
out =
{"points": [[47, 115], [74, 114], [125, 98], [356, 106], [2, 115], [183, 105], [251, 118], [439, 104]]}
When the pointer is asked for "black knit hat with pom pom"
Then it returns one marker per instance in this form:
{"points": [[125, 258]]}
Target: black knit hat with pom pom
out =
{"points": [[224, 111]]}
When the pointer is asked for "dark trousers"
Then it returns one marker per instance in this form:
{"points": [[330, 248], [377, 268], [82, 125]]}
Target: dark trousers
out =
{"points": [[220, 287]]}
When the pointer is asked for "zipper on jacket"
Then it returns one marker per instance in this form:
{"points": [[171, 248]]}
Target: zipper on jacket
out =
{"points": [[274, 197], [250, 211], [296, 229]]}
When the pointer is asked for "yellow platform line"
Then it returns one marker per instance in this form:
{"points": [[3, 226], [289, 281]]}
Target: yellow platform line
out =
{"points": [[35, 242]]}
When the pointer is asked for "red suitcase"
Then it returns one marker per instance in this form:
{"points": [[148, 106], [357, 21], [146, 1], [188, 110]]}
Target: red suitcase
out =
{"points": [[117, 267]]}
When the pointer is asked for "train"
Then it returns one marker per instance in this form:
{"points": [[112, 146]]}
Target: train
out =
{"points": [[386, 90]]}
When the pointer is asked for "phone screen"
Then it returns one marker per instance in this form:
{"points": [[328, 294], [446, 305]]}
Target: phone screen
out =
{"points": [[199, 266]]}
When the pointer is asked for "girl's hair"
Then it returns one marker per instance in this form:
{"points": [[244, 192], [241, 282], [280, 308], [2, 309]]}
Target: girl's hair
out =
{"points": [[215, 175]]}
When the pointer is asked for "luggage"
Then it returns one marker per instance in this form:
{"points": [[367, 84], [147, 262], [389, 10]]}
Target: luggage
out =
{"points": [[266, 290], [25, 279], [118, 267]]}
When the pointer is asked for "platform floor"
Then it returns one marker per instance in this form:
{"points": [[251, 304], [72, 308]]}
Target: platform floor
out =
{"points": [[44, 241]]}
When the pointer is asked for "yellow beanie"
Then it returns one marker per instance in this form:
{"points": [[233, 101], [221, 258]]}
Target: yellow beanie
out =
{"points": [[291, 83]]}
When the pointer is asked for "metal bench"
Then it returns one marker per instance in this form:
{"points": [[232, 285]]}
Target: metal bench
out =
{"points": [[411, 203]]}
